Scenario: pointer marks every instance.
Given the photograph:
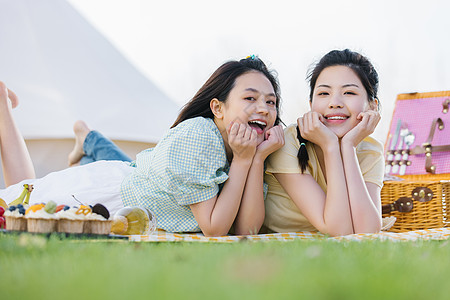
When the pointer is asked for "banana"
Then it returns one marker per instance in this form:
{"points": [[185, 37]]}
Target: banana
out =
{"points": [[3, 203], [24, 197], [21, 197], [27, 197]]}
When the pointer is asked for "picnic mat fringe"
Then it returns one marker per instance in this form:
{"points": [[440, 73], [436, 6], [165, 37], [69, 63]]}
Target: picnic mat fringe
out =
{"points": [[427, 234]]}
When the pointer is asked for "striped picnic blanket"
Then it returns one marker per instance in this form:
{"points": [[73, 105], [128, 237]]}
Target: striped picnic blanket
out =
{"points": [[162, 236]]}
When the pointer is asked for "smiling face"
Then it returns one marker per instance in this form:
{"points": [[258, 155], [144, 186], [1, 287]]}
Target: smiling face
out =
{"points": [[252, 101], [339, 96]]}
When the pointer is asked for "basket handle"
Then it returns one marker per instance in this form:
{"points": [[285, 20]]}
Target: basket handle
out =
{"points": [[428, 149], [429, 166], [402, 204], [405, 204], [445, 104]]}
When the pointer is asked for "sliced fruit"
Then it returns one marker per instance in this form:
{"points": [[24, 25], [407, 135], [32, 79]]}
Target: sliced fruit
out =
{"points": [[35, 208], [59, 207], [50, 207], [119, 225], [84, 209], [3, 203]]}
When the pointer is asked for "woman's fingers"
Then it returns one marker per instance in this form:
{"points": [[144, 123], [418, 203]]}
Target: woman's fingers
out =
{"points": [[274, 140], [254, 135], [242, 135], [368, 122], [14, 99], [233, 129], [243, 132], [275, 133], [308, 122], [369, 119]]}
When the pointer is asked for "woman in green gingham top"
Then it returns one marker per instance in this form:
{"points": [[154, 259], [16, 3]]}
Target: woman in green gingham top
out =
{"points": [[205, 175]]}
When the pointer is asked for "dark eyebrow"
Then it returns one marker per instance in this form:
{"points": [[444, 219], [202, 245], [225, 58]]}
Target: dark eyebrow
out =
{"points": [[350, 84], [344, 86], [256, 91]]}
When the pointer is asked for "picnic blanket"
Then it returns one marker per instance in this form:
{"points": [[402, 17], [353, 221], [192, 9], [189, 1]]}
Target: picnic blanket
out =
{"points": [[163, 236]]}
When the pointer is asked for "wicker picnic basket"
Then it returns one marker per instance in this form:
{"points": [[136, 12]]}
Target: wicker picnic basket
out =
{"points": [[418, 202], [420, 199]]}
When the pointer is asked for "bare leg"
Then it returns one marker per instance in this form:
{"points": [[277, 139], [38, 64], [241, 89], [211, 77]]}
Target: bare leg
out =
{"points": [[81, 130], [16, 160]]}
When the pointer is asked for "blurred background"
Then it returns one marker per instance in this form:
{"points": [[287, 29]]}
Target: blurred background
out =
{"points": [[127, 66]]}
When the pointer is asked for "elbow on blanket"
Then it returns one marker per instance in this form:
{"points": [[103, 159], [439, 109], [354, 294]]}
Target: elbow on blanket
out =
{"points": [[235, 230], [370, 226], [335, 231], [246, 230], [375, 228], [211, 232]]}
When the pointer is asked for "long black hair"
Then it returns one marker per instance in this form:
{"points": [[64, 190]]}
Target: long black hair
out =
{"points": [[221, 83], [363, 69]]}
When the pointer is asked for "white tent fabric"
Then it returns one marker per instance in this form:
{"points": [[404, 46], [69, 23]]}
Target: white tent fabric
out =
{"points": [[63, 70]]}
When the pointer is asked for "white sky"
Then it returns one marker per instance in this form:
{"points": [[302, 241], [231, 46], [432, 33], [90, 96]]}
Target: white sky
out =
{"points": [[177, 44]]}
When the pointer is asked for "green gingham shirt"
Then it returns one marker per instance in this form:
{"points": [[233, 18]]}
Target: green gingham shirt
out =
{"points": [[186, 167]]}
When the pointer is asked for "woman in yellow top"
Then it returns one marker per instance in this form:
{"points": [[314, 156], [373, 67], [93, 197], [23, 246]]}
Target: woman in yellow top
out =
{"points": [[329, 174]]}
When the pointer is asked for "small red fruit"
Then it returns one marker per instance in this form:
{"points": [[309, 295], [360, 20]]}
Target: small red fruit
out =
{"points": [[2, 211], [59, 207], [2, 223]]}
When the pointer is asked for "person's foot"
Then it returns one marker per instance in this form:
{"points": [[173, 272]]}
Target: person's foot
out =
{"points": [[14, 100], [6, 93], [81, 130]]}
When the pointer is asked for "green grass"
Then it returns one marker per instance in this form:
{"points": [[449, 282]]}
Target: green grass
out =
{"points": [[35, 267]]}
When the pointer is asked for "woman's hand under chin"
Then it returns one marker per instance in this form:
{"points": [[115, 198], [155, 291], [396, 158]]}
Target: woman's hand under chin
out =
{"points": [[273, 140], [242, 140], [313, 129], [368, 122]]}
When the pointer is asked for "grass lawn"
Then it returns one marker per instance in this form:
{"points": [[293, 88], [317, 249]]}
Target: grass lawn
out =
{"points": [[36, 267]]}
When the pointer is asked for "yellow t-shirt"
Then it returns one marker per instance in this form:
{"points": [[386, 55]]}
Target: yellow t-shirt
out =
{"points": [[282, 215]]}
